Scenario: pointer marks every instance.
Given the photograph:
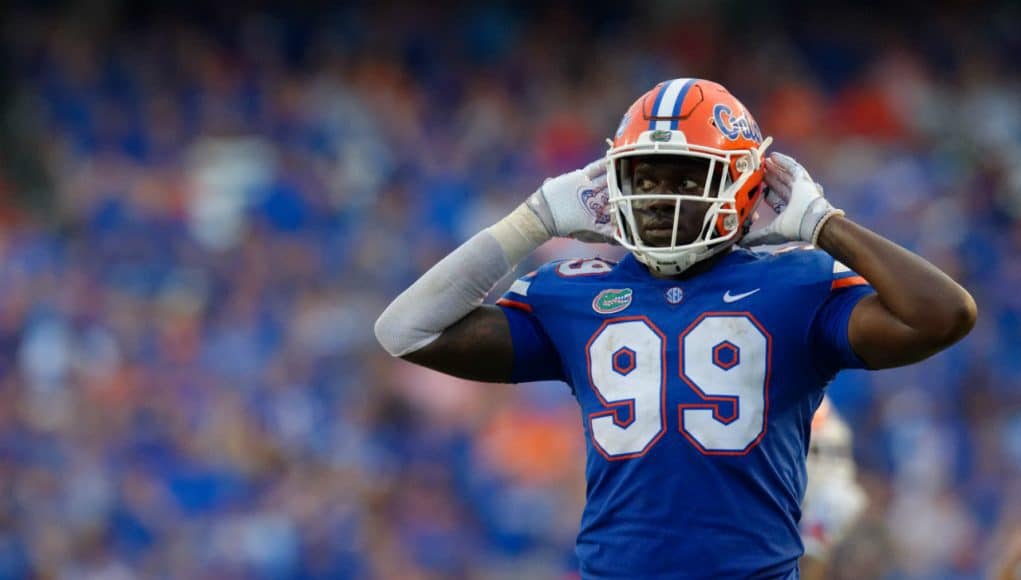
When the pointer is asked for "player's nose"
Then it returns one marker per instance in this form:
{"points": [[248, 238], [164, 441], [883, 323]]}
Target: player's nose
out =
{"points": [[660, 205]]}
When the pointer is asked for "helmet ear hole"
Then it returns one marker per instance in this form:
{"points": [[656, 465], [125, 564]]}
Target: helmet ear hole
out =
{"points": [[742, 164]]}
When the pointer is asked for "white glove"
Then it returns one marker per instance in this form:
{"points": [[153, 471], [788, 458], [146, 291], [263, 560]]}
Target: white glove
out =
{"points": [[798, 201], [576, 204]]}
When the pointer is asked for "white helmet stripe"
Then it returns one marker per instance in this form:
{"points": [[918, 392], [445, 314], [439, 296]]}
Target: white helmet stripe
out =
{"points": [[668, 104]]}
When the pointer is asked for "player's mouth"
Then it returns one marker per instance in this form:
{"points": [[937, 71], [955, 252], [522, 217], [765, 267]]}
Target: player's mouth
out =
{"points": [[658, 234], [656, 224]]}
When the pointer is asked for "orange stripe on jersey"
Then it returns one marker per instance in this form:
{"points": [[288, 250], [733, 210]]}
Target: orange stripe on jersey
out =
{"points": [[851, 281], [514, 304]]}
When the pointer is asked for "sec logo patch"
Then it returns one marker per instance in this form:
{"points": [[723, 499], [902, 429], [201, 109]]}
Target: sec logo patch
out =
{"points": [[674, 295]]}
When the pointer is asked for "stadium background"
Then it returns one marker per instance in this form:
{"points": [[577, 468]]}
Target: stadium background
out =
{"points": [[203, 209]]}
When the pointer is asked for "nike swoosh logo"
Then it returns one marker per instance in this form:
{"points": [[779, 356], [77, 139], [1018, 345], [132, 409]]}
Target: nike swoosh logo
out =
{"points": [[728, 297]]}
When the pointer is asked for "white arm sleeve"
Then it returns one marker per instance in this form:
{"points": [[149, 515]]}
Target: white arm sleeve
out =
{"points": [[458, 283]]}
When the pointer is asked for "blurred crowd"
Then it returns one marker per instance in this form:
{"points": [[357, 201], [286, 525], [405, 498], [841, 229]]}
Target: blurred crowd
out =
{"points": [[203, 211]]}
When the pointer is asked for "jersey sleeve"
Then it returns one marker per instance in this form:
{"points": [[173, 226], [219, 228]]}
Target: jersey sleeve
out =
{"points": [[535, 356], [828, 332]]}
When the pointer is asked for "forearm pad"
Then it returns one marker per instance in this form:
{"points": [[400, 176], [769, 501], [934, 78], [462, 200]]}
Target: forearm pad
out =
{"points": [[458, 283]]}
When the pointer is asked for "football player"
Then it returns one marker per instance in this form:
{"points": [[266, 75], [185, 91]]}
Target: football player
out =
{"points": [[697, 363], [834, 500]]}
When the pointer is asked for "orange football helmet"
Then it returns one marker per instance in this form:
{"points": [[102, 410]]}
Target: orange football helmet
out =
{"points": [[694, 118]]}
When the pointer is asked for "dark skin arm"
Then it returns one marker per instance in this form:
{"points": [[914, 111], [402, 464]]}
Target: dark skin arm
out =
{"points": [[917, 310], [478, 347]]}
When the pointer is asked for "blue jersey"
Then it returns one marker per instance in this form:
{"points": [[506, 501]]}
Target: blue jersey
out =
{"points": [[696, 398]]}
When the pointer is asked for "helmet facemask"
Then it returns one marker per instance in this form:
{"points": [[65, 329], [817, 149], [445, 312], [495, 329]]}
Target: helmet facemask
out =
{"points": [[727, 176]]}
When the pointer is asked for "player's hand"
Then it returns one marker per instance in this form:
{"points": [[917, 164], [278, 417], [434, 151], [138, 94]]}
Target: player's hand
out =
{"points": [[576, 204], [798, 201]]}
